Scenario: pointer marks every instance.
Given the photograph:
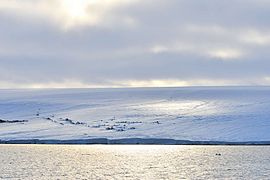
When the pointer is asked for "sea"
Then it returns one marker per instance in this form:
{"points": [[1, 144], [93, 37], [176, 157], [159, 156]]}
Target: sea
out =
{"points": [[134, 162]]}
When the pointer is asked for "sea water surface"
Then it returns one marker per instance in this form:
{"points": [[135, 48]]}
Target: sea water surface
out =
{"points": [[133, 162]]}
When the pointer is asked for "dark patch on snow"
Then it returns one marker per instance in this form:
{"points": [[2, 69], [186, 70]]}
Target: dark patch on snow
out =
{"points": [[74, 122], [129, 122], [12, 121], [110, 128]]}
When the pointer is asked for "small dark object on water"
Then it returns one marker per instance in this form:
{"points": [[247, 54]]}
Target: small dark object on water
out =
{"points": [[218, 154]]}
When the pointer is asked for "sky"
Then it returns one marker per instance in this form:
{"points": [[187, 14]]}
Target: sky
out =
{"points": [[134, 43]]}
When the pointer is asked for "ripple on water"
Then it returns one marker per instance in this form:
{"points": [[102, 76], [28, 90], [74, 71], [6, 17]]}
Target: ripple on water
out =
{"points": [[133, 162]]}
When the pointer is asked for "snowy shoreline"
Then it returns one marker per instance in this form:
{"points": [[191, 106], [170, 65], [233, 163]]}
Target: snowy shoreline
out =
{"points": [[203, 115], [129, 141]]}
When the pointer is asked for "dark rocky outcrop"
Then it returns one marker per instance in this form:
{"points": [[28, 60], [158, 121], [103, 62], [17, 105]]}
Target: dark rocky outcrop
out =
{"points": [[12, 121]]}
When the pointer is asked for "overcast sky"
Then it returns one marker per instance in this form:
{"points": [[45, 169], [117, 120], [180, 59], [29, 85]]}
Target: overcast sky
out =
{"points": [[124, 43]]}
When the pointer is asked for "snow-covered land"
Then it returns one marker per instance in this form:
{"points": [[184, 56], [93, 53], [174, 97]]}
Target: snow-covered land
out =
{"points": [[199, 114]]}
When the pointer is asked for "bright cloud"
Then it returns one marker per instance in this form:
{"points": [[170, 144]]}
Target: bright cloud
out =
{"points": [[130, 43], [256, 37], [226, 53], [69, 13]]}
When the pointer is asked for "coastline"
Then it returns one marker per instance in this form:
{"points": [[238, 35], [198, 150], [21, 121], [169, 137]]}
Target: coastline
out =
{"points": [[128, 141]]}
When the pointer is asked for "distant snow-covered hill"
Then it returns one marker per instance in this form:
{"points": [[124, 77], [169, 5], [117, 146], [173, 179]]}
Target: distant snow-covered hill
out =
{"points": [[194, 113]]}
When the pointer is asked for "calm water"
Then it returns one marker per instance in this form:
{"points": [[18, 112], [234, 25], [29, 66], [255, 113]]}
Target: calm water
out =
{"points": [[133, 162]]}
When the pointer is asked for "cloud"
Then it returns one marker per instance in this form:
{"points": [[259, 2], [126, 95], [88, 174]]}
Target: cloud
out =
{"points": [[256, 38], [116, 43], [226, 53], [70, 14]]}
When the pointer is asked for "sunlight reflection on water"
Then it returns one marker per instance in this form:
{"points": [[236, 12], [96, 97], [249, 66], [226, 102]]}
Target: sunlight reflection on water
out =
{"points": [[133, 162]]}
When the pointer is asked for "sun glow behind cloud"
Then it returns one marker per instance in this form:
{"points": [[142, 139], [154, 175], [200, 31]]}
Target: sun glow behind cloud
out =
{"points": [[82, 12], [93, 12], [133, 43], [76, 10], [69, 14]]}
